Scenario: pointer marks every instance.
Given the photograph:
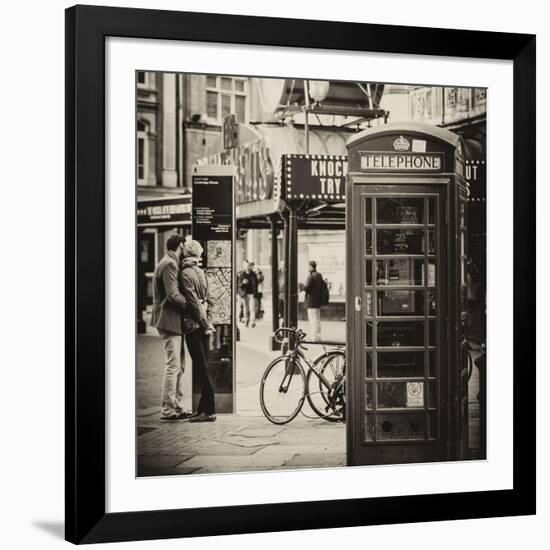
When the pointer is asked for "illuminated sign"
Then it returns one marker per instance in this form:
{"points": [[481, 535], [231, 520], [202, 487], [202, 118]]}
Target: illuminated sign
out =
{"points": [[314, 177], [255, 174], [429, 162], [168, 211], [475, 174]]}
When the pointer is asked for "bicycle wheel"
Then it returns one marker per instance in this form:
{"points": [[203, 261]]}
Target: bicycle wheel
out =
{"points": [[328, 403], [282, 390]]}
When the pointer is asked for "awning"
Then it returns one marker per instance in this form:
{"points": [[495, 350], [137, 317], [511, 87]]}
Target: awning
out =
{"points": [[360, 99]]}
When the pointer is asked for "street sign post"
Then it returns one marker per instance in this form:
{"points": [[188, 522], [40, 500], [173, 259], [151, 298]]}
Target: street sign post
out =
{"points": [[213, 225]]}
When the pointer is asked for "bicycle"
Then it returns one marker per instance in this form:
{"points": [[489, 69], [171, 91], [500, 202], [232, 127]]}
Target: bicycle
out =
{"points": [[332, 364], [285, 387]]}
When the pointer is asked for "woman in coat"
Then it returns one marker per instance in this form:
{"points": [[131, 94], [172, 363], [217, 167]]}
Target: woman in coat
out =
{"points": [[196, 327]]}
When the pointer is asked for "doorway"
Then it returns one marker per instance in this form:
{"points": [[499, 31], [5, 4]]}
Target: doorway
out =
{"points": [[399, 383]]}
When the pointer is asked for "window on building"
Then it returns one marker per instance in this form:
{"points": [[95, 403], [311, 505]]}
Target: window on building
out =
{"points": [[224, 96], [142, 151], [142, 79]]}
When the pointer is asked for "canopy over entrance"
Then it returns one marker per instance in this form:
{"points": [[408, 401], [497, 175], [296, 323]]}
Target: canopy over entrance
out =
{"points": [[334, 97]]}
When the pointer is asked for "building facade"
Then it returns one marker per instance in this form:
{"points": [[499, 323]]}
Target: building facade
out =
{"points": [[180, 121], [179, 117]]}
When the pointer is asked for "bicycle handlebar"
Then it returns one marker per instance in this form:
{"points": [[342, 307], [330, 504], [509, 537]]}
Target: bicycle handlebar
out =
{"points": [[279, 334]]}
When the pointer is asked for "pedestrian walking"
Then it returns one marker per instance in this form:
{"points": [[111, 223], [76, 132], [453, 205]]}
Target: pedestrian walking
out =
{"points": [[247, 284], [197, 328], [168, 307], [240, 300], [259, 291], [316, 295], [281, 285]]}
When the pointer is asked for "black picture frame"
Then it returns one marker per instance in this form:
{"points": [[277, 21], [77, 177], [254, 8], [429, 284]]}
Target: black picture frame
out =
{"points": [[86, 30]]}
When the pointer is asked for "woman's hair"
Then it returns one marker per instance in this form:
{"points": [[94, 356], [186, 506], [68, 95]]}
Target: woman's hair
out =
{"points": [[192, 248]]}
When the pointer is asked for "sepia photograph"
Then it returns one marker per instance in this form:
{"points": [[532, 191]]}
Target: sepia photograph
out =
{"points": [[310, 275]]}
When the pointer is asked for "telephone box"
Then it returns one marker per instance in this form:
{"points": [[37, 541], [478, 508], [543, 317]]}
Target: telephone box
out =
{"points": [[406, 305]]}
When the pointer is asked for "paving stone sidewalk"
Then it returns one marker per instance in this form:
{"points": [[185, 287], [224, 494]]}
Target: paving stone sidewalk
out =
{"points": [[246, 441], [241, 442], [237, 443]]}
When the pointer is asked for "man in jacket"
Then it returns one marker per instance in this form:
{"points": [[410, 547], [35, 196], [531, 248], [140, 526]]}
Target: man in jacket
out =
{"points": [[312, 288], [281, 285], [240, 300], [259, 291], [197, 327], [247, 284], [168, 306]]}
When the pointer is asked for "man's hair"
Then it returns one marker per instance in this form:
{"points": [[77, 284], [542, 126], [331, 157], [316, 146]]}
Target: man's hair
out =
{"points": [[174, 241], [313, 264]]}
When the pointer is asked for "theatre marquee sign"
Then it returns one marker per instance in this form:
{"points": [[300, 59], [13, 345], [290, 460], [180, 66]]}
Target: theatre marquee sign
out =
{"points": [[314, 177]]}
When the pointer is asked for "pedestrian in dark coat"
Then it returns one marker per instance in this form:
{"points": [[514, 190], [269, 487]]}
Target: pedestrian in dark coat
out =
{"points": [[197, 328], [281, 285], [312, 288], [247, 286]]}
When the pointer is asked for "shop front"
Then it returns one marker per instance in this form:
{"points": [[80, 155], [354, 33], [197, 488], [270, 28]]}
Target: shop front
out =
{"points": [[407, 296], [157, 219]]}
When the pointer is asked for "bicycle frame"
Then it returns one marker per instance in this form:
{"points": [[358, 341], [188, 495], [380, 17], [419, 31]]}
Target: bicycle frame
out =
{"points": [[298, 355], [301, 356]]}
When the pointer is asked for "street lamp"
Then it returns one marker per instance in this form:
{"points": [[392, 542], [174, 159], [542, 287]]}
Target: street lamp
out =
{"points": [[318, 89]]}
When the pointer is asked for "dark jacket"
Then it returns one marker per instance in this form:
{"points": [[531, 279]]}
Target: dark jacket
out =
{"points": [[168, 301], [312, 289], [247, 283], [194, 287]]}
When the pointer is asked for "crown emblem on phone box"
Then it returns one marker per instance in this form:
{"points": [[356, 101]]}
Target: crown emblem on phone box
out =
{"points": [[401, 144]]}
